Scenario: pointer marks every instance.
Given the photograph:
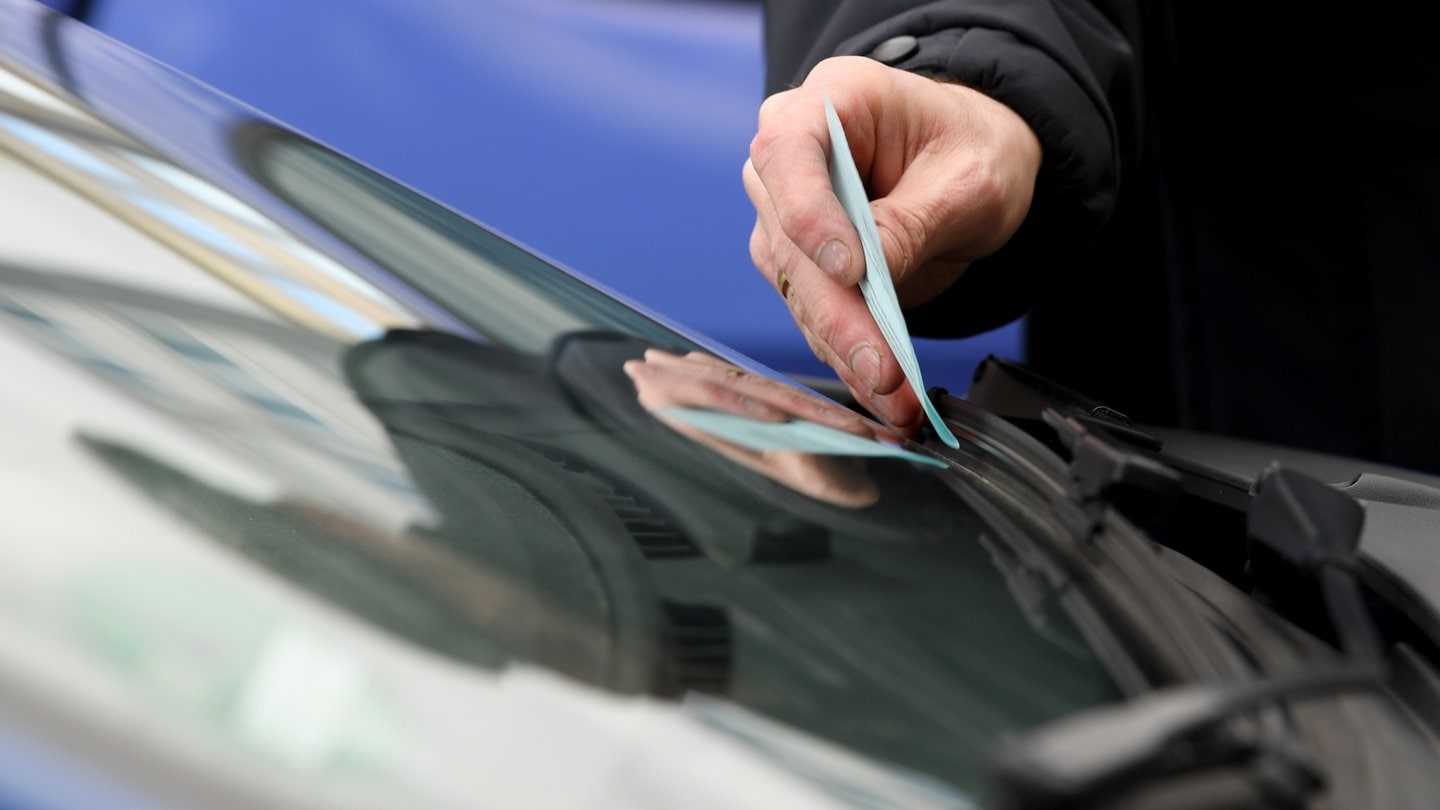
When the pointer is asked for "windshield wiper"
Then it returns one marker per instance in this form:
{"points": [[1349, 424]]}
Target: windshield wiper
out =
{"points": [[1091, 757]]}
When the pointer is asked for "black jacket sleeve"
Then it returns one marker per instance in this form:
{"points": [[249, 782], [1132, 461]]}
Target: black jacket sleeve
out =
{"points": [[1068, 67]]}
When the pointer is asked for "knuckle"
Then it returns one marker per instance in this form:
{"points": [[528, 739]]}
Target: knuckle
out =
{"points": [[771, 107], [908, 233], [802, 222], [770, 126], [768, 160], [991, 208], [760, 252], [760, 147], [986, 191], [825, 326], [789, 260], [748, 178], [820, 350]]}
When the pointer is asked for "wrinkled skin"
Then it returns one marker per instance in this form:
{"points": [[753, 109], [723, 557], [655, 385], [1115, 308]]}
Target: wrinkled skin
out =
{"points": [[950, 172]]}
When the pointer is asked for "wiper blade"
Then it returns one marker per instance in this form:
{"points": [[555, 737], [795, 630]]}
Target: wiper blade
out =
{"points": [[1081, 757], [1310, 525]]}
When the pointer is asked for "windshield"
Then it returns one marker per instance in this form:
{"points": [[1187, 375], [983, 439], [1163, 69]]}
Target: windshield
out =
{"points": [[510, 296], [265, 494]]}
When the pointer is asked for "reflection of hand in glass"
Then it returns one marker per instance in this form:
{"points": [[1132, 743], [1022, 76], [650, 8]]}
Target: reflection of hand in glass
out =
{"points": [[697, 380]]}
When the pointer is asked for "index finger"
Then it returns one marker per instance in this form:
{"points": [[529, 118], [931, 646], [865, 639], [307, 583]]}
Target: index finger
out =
{"points": [[790, 156]]}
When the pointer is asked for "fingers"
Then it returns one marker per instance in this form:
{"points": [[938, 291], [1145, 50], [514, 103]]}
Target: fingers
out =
{"points": [[803, 242], [661, 384], [899, 409], [663, 379], [702, 380], [834, 319], [951, 173], [789, 160]]}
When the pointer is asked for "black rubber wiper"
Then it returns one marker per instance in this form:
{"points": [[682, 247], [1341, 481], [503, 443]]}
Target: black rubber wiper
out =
{"points": [[1091, 758]]}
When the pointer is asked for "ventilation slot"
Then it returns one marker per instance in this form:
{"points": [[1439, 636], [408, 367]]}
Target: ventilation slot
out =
{"points": [[701, 641], [654, 532]]}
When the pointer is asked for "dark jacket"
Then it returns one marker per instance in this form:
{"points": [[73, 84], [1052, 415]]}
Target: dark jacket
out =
{"points": [[1232, 227]]}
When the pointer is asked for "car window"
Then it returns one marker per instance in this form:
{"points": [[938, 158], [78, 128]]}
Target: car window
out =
{"points": [[512, 296], [262, 506]]}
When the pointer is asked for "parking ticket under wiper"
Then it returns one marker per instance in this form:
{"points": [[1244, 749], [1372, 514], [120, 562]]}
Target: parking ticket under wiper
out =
{"points": [[876, 285]]}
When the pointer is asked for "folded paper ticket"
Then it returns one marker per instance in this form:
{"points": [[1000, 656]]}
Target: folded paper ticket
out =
{"points": [[876, 285]]}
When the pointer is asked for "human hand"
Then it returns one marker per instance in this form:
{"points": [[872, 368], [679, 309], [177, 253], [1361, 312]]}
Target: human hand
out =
{"points": [[950, 172]]}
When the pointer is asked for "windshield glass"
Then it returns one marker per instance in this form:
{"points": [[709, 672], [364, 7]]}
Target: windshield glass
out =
{"points": [[260, 496], [512, 297]]}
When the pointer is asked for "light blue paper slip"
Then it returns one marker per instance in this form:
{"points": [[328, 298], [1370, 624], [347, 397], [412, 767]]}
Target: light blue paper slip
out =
{"points": [[876, 285], [798, 435]]}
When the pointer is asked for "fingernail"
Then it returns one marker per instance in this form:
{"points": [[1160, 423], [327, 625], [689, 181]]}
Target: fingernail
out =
{"points": [[834, 259], [865, 362]]}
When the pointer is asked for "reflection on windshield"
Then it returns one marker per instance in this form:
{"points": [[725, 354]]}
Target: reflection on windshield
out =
{"points": [[859, 583], [581, 489], [788, 435], [198, 220], [509, 295]]}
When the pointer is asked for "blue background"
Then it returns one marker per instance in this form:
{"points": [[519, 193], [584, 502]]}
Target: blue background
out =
{"points": [[607, 135]]}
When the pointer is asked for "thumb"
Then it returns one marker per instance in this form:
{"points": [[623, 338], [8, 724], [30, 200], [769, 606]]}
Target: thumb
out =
{"points": [[960, 190]]}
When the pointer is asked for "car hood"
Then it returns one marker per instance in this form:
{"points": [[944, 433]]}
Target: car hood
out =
{"points": [[305, 470]]}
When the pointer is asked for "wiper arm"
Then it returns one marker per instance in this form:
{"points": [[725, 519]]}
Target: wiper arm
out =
{"points": [[1079, 759], [1085, 757], [1316, 528]]}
